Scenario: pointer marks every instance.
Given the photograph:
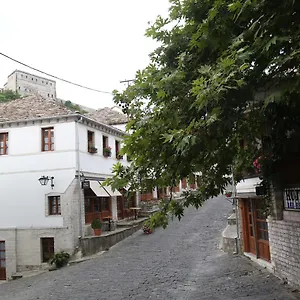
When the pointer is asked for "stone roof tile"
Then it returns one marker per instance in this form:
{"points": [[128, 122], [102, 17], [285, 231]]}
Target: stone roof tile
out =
{"points": [[108, 116], [32, 107]]}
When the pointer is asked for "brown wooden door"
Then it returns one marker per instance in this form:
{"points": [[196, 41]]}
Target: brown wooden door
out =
{"points": [[47, 249], [262, 233], [248, 228], [255, 229], [2, 261]]}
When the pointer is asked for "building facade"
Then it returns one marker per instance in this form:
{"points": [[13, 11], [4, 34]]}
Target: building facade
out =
{"points": [[44, 142], [28, 84], [274, 241]]}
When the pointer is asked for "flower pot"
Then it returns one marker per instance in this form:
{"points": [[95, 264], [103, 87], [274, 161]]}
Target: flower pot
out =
{"points": [[106, 154], [97, 232]]}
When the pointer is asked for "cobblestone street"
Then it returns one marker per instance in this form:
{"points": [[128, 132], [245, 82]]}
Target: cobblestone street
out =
{"points": [[181, 262]]}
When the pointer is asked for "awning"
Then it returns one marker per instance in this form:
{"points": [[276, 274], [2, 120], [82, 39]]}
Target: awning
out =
{"points": [[247, 188], [98, 189], [110, 191]]}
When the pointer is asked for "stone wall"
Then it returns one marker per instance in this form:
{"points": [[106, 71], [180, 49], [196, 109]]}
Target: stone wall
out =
{"points": [[285, 249], [94, 244], [23, 245], [9, 237]]}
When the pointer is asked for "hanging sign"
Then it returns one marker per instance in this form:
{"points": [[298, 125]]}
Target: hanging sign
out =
{"points": [[292, 198]]}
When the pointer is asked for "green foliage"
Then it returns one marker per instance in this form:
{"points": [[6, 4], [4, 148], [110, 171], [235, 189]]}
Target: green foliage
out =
{"points": [[225, 71], [96, 224], [74, 107], [8, 95], [60, 259]]}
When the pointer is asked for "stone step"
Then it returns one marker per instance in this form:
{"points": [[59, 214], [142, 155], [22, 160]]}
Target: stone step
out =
{"points": [[229, 239]]}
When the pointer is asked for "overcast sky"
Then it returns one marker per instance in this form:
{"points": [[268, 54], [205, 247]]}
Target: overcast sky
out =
{"points": [[95, 43]]}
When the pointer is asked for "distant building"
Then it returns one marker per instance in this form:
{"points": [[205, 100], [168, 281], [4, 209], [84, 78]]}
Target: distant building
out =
{"points": [[28, 84]]}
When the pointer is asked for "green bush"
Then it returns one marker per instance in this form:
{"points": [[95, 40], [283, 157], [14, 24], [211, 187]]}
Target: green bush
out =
{"points": [[60, 259], [96, 224]]}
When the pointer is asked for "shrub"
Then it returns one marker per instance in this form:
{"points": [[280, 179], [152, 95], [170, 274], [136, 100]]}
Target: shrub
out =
{"points": [[96, 224], [60, 259]]}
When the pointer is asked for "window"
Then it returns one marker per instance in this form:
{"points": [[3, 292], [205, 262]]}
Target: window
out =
{"points": [[47, 248], [48, 95], [35, 79], [117, 145], [91, 141], [3, 143], [31, 78], [104, 203], [42, 81], [105, 141], [95, 207], [48, 139], [54, 205]]}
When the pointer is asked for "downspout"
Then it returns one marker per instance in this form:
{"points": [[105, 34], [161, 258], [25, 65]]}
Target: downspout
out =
{"points": [[81, 232], [236, 208]]}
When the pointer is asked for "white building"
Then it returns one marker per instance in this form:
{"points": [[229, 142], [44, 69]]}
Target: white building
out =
{"points": [[39, 137], [28, 84]]}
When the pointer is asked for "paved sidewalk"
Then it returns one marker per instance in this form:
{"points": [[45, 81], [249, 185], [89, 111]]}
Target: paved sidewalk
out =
{"points": [[182, 262]]}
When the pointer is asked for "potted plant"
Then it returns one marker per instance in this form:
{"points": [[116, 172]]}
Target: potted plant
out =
{"points": [[228, 194], [107, 151], [93, 149], [97, 225], [147, 229], [119, 156], [60, 259]]}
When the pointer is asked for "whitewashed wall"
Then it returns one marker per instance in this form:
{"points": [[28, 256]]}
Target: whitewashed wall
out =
{"points": [[97, 163], [22, 197]]}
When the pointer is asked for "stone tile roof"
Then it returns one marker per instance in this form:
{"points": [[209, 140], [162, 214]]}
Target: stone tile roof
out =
{"points": [[32, 107], [108, 116]]}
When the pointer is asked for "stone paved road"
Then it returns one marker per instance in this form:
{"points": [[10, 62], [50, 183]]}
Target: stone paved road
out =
{"points": [[181, 262]]}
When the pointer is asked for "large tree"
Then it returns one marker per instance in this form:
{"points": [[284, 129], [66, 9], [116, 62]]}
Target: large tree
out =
{"points": [[224, 70]]}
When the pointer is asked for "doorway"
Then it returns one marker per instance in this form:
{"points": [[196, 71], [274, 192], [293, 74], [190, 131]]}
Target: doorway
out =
{"points": [[47, 249], [2, 261], [255, 229]]}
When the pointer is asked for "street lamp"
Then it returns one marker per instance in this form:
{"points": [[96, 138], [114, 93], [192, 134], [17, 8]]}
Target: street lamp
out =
{"points": [[45, 179]]}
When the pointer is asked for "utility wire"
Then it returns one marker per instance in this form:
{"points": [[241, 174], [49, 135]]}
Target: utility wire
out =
{"points": [[61, 79]]}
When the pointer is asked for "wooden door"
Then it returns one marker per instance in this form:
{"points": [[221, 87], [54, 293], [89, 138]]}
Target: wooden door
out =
{"points": [[262, 233], [255, 229], [47, 249], [248, 227], [2, 261]]}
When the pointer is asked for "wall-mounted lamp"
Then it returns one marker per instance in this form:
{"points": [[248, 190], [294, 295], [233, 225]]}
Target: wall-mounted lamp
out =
{"points": [[45, 179]]}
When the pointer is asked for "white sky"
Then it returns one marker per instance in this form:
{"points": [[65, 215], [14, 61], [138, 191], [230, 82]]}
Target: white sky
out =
{"points": [[95, 43]]}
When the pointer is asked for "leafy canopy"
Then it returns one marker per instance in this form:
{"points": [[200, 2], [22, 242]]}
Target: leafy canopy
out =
{"points": [[224, 70]]}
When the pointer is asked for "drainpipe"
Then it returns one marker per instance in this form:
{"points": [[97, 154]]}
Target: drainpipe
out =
{"points": [[236, 216], [81, 232]]}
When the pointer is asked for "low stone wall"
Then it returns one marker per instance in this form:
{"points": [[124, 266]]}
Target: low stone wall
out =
{"points": [[94, 244]]}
